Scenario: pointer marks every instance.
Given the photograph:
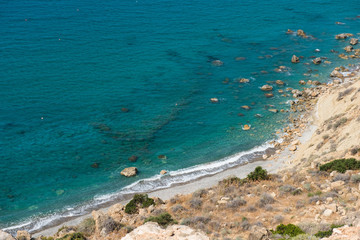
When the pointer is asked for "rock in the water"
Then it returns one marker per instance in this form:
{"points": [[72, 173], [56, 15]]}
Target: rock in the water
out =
{"points": [[246, 107], [152, 231], [302, 82], [354, 41], [348, 48], [246, 127], [129, 172], [269, 95], [5, 236], [301, 33], [317, 60], [95, 165], [279, 82], [259, 233], [336, 73], [343, 35], [295, 59], [133, 158], [266, 88], [214, 100], [23, 235], [244, 80], [289, 31], [163, 157], [217, 63], [124, 109], [273, 110], [163, 172]]}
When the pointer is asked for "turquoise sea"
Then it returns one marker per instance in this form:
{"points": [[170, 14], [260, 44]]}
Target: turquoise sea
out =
{"points": [[84, 85]]}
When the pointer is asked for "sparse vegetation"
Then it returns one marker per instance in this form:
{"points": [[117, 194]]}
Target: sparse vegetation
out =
{"points": [[139, 200], [87, 226], [341, 165], [290, 230], [73, 236], [322, 234], [258, 174], [164, 219]]}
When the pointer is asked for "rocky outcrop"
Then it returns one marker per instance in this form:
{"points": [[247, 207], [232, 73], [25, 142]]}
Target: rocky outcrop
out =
{"points": [[23, 235], [5, 236], [345, 233], [104, 224], [301, 33], [295, 59], [336, 73], [259, 233], [152, 231], [129, 172]]}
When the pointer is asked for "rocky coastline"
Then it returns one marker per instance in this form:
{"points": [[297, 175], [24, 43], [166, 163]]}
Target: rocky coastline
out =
{"points": [[294, 191]]}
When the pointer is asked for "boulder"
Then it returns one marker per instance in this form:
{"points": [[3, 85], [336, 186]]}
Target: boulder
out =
{"points": [[343, 35], [337, 184], [259, 233], [23, 235], [5, 236], [302, 82], [246, 127], [317, 60], [163, 172], [289, 31], [269, 95], [266, 88], [273, 110], [129, 172], [354, 41], [295, 59], [152, 231], [327, 212], [337, 74], [246, 107], [348, 48], [217, 63]]}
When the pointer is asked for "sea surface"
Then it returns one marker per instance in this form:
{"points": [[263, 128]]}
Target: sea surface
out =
{"points": [[84, 85]]}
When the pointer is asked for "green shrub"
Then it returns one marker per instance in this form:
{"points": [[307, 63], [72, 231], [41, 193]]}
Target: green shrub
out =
{"points": [[139, 200], [46, 238], [258, 174], [73, 236], [328, 233], [341, 165], [163, 219], [290, 230], [304, 237]]}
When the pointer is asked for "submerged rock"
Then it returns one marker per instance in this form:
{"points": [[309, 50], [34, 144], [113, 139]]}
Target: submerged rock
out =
{"points": [[295, 59], [217, 63], [129, 172], [133, 158], [162, 156]]}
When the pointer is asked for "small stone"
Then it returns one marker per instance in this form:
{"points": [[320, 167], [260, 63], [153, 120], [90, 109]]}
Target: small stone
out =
{"points": [[269, 95], [279, 82], [289, 31], [163, 172], [246, 107], [302, 82], [264, 156], [295, 59], [273, 110], [327, 212], [246, 127], [129, 172]]}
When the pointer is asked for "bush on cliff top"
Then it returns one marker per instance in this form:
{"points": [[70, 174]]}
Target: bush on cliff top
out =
{"points": [[139, 200], [341, 165], [323, 234], [258, 174], [290, 230], [164, 219]]}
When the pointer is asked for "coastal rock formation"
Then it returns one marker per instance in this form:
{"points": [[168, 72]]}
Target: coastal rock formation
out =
{"points": [[266, 88], [354, 41], [337, 74], [23, 235], [317, 60], [295, 59], [116, 212], [152, 231], [104, 224], [5, 236], [129, 172], [345, 233]]}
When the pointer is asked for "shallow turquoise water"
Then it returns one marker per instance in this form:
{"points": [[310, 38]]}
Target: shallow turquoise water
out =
{"points": [[68, 68]]}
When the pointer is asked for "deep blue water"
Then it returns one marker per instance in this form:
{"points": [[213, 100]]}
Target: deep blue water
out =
{"points": [[67, 69]]}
